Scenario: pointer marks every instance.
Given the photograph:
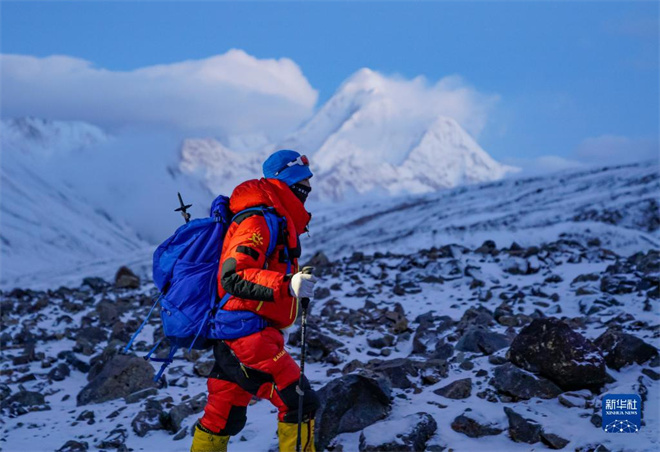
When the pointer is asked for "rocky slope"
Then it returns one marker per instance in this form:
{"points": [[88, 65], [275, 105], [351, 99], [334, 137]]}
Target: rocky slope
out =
{"points": [[498, 347]]}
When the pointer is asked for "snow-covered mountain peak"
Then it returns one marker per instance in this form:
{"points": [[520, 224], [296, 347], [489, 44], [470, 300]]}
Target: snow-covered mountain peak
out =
{"points": [[395, 157], [361, 141], [43, 138], [450, 156], [219, 167], [364, 80], [378, 133]]}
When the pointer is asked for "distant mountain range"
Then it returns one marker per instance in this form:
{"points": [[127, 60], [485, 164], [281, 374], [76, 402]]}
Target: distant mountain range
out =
{"points": [[74, 193], [46, 223], [359, 142]]}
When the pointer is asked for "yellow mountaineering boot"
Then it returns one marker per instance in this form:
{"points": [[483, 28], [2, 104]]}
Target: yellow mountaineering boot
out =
{"points": [[205, 440], [288, 434]]}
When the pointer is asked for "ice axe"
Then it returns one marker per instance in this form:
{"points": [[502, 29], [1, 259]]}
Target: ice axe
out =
{"points": [[304, 302], [183, 208]]}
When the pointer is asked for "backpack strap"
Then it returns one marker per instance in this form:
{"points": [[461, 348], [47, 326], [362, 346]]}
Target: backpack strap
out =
{"points": [[273, 221]]}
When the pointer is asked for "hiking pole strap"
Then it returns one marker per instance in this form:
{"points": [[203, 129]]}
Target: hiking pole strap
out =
{"points": [[166, 362], [144, 322]]}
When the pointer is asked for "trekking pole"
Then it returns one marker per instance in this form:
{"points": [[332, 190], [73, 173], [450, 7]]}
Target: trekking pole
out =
{"points": [[304, 302], [183, 208]]}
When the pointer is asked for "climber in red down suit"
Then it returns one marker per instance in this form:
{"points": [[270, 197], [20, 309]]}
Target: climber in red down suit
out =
{"points": [[257, 364]]}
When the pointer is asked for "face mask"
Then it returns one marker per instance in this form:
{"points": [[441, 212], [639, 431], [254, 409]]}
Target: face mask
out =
{"points": [[301, 191]]}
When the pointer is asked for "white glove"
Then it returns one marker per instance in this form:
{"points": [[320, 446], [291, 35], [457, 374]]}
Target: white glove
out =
{"points": [[302, 285]]}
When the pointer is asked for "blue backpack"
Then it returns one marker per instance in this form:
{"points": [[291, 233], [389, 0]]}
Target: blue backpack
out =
{"points": [[185, 269]]}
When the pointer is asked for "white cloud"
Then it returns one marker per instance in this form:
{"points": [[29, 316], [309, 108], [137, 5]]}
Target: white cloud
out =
{"points": [[418, 98], [231, 93], [608, 149]]}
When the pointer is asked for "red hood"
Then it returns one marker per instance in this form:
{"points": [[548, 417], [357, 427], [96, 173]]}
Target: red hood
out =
{"points": [[272, 193]]}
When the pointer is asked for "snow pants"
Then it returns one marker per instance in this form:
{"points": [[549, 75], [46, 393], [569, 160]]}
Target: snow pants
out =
{"points": [[254, 365]]}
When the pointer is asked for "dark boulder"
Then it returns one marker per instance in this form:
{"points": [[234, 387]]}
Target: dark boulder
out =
{"points": [[120, 376], [474, 428], [175, 417], [87, 416], [74, 446], [428, 332], [140, 395], [518, 266], [552, 349], [24, 337], [320, 262], [380, 340], [70, 358], [579, 399], [5, 391], [408, 434], [349, 404], [108, 312], [23, 402], [474, 317], [618, 284], [647, 263], [459, 389], [116, 439], [97, 284], [586, 278], [320, 347], [122, 332], [488, 247], [653, 375], [622, 349], [395, 320], [478, 339], [59, 372], [98, 362], [321, 293], [203, 368], [126, 279], [88, 338], [148, 419], [398, 371], [522, 385], [443, 350], [522, 430], [553, 441], [5, 337]]}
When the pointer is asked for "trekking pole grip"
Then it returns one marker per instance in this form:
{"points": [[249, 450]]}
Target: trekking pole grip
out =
{"points": [[304, 302]]}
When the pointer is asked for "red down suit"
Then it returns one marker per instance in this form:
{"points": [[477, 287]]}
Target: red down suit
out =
{"points": [[258, 365]]}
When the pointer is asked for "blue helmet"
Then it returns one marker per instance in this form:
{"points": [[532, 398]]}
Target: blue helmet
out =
{"points": [[288, 166]]}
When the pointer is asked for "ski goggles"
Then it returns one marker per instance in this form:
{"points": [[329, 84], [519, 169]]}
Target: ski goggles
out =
{"points": [[302, 160]]}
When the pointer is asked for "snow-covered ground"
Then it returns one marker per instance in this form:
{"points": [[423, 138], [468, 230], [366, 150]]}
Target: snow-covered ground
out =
{"points": [[567, 224], [616, 204], [362, 280]]}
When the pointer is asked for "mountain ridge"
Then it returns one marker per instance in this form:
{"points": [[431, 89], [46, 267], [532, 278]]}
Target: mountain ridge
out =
{"points": [[364, 141]]}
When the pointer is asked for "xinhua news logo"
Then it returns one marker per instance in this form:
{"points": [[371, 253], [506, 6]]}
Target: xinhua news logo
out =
{"points": [[622, 413]]}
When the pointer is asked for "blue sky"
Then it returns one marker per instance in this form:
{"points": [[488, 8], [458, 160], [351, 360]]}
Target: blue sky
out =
{"points": [[567, 75]]}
